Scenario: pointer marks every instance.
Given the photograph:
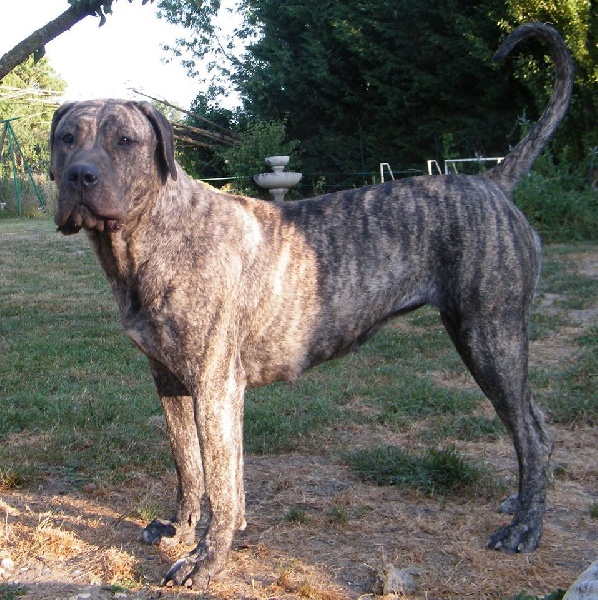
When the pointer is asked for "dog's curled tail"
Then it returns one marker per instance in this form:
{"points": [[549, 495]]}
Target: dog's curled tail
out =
{"points": [[521, 158]]}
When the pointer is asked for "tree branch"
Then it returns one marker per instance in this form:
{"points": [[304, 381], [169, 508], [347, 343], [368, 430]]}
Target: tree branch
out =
{"points": [[34, 44], [38, 39], [233, 137], [196, 133]]}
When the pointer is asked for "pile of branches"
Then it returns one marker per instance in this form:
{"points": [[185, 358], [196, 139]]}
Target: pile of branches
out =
{"points": [[196, 136], [190, 135]]}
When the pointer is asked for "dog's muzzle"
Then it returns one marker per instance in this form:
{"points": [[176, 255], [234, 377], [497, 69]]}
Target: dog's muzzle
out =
{"points": [[76, 207]]}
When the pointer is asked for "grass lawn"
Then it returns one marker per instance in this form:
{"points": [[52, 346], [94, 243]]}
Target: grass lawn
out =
{"points": [[79, 416]]}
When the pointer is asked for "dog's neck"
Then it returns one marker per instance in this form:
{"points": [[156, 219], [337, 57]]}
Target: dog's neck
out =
{"points": [[127, 256], [113, 256]]}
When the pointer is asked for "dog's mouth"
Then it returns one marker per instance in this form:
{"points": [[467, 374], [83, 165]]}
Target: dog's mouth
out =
{"points": [[82, 217]]}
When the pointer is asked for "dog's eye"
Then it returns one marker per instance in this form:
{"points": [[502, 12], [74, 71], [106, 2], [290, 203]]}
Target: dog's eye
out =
{"points": [[68, 138], [125, 141]]}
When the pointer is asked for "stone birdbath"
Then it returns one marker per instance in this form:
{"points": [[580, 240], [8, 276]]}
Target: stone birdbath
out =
{"points": [[279, 182]]}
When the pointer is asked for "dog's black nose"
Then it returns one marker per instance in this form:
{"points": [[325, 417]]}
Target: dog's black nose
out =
{"points": [[83, 175]]}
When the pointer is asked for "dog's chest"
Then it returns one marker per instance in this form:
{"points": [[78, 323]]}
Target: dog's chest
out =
{"points": [[136, 322]]}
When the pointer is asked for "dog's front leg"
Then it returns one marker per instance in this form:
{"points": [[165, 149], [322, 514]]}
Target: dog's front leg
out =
{"points": [[180, 419], [218, 402]]}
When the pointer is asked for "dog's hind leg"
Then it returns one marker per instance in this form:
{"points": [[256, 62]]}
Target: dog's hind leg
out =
{"points": [[182, 430], [495, 350]]}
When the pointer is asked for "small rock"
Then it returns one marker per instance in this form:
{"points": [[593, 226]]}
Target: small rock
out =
{"points": [[396, 581], [7, 566], [585, 586]]}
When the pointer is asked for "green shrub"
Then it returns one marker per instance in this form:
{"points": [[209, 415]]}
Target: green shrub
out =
{"points": [[436, 472], [557, 213], [296, 515], [246, 158], [557, 199]]}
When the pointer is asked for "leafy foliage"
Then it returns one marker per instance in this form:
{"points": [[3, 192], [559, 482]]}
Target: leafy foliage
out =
{"points": [[99, 8], [199, 17], [378, 81], [22, 96], [556, 198], [375, 80], [205, 161], [572, 18], [578, 23], [246, 158]]}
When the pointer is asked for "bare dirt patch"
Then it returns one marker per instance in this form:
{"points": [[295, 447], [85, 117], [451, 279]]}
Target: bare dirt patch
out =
{"points": [[77, 545], [585, 263]]}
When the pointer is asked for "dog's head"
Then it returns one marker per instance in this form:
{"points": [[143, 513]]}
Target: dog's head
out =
{"points": [[107, 156]]}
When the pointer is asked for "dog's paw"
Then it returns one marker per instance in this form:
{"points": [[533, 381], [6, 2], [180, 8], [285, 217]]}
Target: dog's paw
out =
{"points": [[188, 571], [515, 538], [179, 573], [161, 532]]}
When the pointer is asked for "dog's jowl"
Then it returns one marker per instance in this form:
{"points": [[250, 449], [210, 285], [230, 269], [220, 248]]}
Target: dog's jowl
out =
{"points": [[225, 292]]}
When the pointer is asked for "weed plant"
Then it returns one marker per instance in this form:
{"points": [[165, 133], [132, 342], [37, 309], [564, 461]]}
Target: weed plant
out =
{"points": [[296, 516], [434, 472]]}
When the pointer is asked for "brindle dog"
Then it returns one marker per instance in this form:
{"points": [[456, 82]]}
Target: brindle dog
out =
{"points": [[224, 292]]}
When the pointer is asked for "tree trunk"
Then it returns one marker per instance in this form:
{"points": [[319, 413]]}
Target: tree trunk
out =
{"points": [[38, 39]]}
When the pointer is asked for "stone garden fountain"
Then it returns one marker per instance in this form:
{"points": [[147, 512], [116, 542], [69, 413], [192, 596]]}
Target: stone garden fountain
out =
{"points": [[279, 182]]}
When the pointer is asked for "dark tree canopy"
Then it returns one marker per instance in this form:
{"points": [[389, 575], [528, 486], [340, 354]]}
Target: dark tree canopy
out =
{"points": [[378, 81], [395, 81]]}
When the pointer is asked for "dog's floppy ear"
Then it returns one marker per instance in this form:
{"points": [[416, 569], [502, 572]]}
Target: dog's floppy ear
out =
{"points": [[60, 112], [163, 130]]}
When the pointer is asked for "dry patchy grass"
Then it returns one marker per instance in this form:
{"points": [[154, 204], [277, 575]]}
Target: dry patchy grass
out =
{"points": [[79, 538], [69, 543]]}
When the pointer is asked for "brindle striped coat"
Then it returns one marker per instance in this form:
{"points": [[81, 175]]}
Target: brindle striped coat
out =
{"points": [[224, 292]]}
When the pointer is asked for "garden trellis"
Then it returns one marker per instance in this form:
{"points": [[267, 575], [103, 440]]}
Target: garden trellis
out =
{"points": [[7, 134]]}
